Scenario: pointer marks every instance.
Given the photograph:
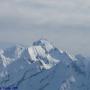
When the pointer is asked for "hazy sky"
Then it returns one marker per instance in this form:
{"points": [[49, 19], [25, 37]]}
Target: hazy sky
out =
{"points": [[65, 23]]}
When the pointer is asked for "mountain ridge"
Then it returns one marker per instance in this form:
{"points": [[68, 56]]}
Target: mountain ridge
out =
{"points": [[42, 67]]}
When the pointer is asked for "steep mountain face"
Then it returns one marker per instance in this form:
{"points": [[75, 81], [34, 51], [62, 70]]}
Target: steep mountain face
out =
{"points": [[42, 67]]}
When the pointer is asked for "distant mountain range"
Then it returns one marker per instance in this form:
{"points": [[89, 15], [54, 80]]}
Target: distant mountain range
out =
{"points": [[42, 67]]}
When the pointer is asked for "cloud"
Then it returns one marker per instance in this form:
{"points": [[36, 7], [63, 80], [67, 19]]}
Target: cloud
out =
{"points": [[43, 12], [65, 20]]}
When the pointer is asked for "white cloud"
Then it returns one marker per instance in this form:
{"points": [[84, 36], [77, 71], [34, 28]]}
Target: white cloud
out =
{"points": [[23, 20], [43, 11]]}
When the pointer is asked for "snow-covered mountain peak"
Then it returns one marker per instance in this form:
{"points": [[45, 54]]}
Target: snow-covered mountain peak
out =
{"points": [[44, 43], [1, 51], [47, 54], [39, 54], [14, 51]]}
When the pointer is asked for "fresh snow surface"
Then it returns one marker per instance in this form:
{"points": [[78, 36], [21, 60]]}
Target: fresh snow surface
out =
{"points": [[43, 67]]}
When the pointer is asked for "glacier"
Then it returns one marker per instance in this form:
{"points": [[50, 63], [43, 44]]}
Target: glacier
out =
{"points": [[42, 66]]}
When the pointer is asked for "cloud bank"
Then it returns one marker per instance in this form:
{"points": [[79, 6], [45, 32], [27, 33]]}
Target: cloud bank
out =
{"points": [[65, 22]]}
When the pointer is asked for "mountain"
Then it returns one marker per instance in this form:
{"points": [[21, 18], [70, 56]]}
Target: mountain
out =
{"points": [[42, 67]]}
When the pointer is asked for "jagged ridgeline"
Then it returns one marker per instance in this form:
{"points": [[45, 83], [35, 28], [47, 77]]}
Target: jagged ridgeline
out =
{"points": [[42, 67]]}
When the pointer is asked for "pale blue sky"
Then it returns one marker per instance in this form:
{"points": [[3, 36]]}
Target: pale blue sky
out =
{"points": [[66, 23]]}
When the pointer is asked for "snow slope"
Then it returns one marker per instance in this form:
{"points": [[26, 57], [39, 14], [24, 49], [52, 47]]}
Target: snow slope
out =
{"points": [[42, 67]]}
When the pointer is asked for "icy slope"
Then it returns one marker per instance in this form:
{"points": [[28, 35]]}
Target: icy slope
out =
{"points": [[42, 67]]}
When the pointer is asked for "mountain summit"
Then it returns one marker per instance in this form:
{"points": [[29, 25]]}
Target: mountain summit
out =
{"points": [[42, 67]]}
